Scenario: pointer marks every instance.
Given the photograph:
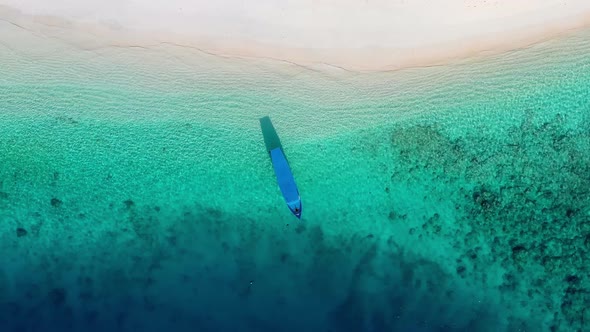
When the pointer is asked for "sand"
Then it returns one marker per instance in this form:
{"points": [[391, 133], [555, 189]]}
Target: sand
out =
{"points": [[353, 35]]}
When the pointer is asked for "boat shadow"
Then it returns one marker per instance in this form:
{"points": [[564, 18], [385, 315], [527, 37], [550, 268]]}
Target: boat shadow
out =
{"points": [[271, 138]]}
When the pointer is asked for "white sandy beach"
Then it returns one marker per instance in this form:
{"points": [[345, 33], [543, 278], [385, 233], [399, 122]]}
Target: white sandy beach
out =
{"points": [[355, 35]]}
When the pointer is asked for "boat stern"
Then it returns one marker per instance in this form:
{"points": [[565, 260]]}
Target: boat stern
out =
{"points": [[295, 208]]}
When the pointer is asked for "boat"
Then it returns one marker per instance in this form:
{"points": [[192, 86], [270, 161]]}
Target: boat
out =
{"points": [[280, 164]]}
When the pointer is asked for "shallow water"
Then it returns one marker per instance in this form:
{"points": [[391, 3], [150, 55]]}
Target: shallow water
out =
{"points": [[136, 193]]}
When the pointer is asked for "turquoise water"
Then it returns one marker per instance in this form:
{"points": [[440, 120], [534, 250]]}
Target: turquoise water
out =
{"points": [[136, 193]]}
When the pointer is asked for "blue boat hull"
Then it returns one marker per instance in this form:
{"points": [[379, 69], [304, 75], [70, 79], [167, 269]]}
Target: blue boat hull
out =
{"points": [[285, 178], [286, 181]]}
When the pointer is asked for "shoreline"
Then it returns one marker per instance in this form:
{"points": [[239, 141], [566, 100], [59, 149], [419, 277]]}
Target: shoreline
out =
{"points": [[41, 56], [444, 48]]}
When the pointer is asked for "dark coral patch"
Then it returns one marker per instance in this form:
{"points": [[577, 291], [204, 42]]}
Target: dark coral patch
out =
{"points": [[20, 232], [56, 202], [129, 204], [57, 296]]}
